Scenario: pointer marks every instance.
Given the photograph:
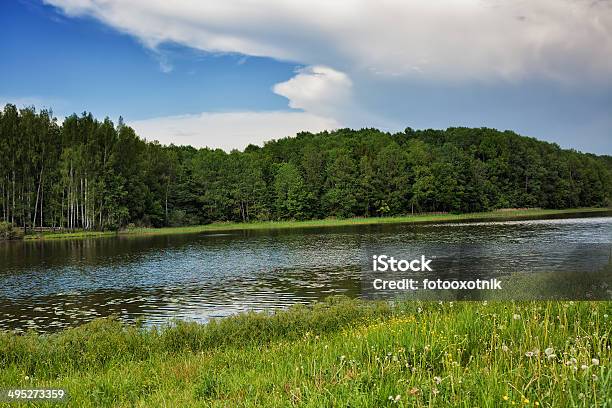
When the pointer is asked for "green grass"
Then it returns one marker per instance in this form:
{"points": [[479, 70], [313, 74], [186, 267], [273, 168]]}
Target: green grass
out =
{"points": [[338, 353], [266, 225]]}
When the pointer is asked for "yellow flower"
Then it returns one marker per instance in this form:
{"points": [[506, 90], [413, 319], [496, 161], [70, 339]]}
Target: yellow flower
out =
{"points": [[537, 404], [525, 401], [505, 397]]}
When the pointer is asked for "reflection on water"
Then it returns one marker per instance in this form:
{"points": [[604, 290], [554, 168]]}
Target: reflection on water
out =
{"points": [[51, 284]]}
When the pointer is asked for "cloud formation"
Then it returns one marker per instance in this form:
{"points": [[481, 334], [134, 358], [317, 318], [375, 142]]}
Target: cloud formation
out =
{"points": [[454, 40], [229, 130], [317, 89]]}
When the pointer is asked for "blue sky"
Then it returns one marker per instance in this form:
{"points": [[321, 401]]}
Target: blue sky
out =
{"points": [[227, 75]]}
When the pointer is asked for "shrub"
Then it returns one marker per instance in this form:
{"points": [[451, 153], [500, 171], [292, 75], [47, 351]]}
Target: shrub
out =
{"points": [[9, 231]]}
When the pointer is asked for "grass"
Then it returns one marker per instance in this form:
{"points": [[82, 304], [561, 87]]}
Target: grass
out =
{"points": [[267, 225], [338, 353]]}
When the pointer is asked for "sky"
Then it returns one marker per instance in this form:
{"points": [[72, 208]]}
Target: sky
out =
{"points": [[233, 72]]}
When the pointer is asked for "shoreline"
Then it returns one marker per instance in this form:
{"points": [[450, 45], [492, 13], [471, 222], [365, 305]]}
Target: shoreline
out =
{"points": [[364, 352], [499, 215]]}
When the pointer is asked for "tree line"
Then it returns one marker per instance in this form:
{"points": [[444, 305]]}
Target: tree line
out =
{"points": [[94, 174]]}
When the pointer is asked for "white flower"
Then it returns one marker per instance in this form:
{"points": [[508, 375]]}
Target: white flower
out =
{"points": [[595, 361], [505, 348], [419, 309], [27, 377], [594, 377], [549, 351], [529, 354], [516, 316], [437, 380], [584, 366]]}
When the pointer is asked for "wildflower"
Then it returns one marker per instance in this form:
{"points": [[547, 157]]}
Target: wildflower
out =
{"points": [[549, 351], [505, 348], [525, 401], [395, 399], [537, 404], [516, 316], [505, 398], [529, 354], [580, 396], [435, 391], [437, 380], [414, 391], [595, 361], [419, 309], [594, 377], [27, 378], [584, 366]]}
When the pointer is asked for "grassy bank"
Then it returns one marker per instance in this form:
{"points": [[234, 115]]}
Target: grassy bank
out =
{"points": [[421, 218], [340, 353]]}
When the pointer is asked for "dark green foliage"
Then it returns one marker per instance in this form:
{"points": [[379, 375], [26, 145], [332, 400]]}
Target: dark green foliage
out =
{"points": [[91, 174], [8, 232]]}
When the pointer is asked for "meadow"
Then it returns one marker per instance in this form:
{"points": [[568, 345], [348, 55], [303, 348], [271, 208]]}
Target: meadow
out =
{"points": [[340, 352]]}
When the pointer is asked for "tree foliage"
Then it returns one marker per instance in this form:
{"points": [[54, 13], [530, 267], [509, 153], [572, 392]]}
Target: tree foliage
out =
{"points": [[92, 174]]}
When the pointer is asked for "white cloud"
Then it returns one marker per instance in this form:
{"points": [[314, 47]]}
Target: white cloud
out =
{"points": [[317, 89], [456, 40], [229, 130]]}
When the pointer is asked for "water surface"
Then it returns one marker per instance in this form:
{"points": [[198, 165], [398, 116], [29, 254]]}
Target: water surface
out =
{"points": [[46, 285]]}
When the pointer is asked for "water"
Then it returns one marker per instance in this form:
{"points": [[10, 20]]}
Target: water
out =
{"points": [[48, 285]]}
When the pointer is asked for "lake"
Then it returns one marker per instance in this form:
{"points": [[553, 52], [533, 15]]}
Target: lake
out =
{"points": [[48, 285]]}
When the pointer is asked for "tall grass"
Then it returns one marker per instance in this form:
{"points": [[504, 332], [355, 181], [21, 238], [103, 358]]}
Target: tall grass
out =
{"points": [[338, 353], [513, 214]]}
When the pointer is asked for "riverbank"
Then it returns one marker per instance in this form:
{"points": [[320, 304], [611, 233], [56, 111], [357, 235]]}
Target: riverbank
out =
{"points": [[505, 215], [338, 353]]}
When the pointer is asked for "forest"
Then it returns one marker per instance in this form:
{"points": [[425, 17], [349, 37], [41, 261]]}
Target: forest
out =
{"points": [[94, 174]]}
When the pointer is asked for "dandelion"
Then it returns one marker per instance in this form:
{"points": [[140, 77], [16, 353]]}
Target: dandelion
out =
{"points": [[537, 404], [395, 399], [414, 391], [584, 366], [505, 398], [525, 401], [435, 391], [594, 377], [505, 348], [27, 378], [595, 361], [419, 309], [549, 351], [529, 354], [437, 380], [580, 396], [516, 316]]}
